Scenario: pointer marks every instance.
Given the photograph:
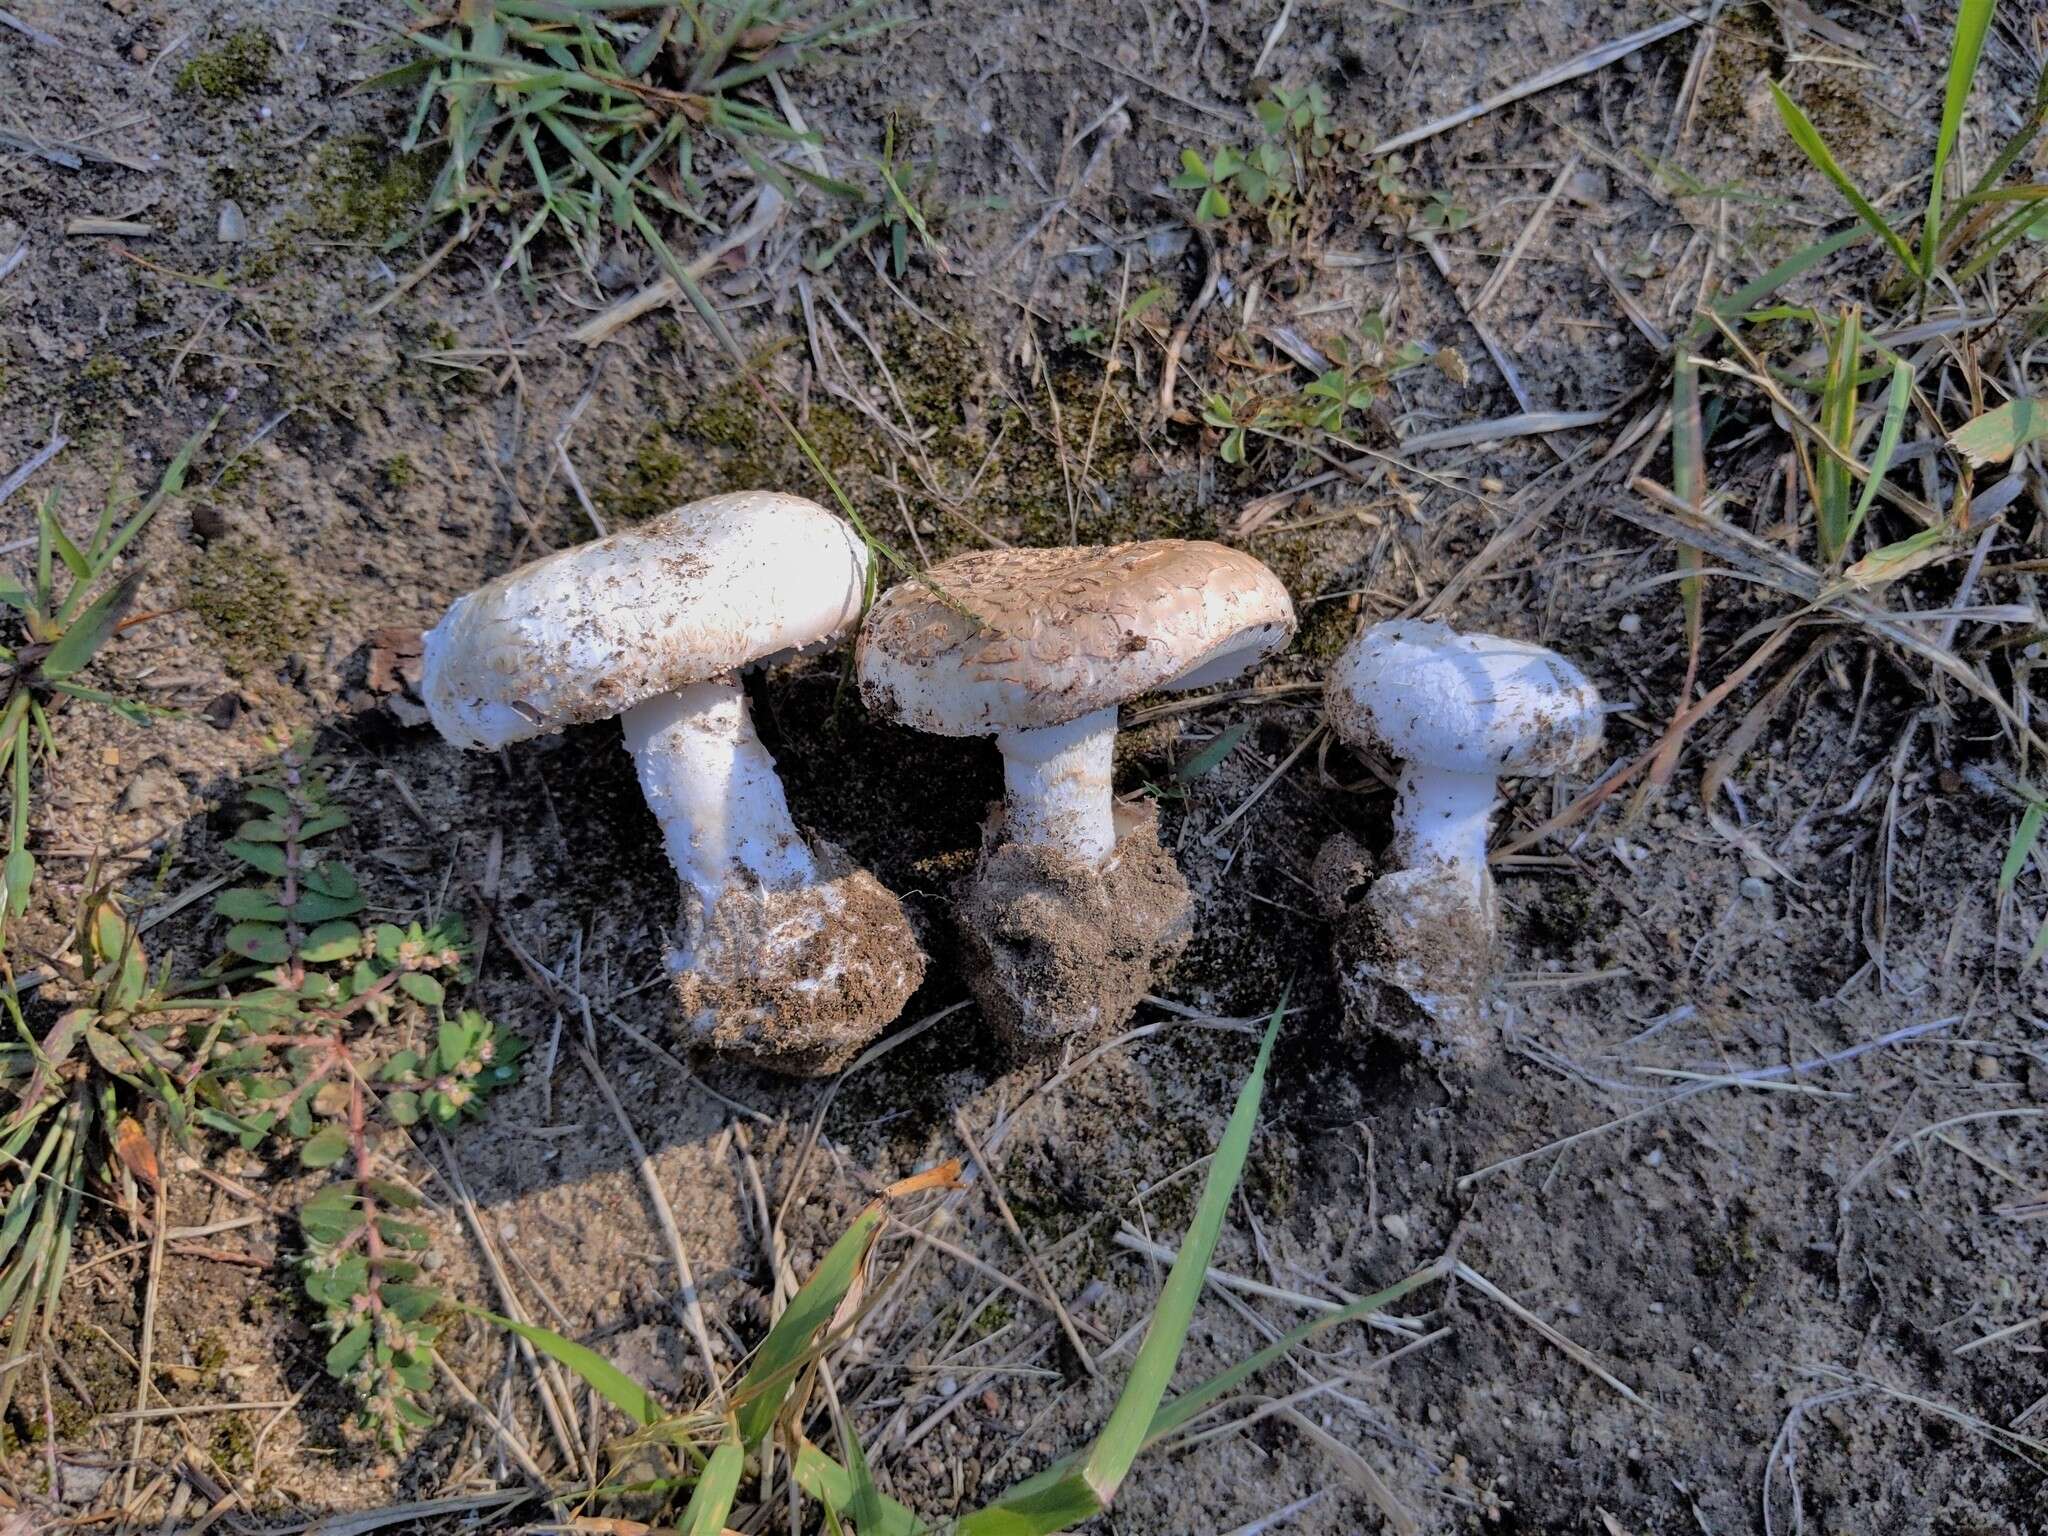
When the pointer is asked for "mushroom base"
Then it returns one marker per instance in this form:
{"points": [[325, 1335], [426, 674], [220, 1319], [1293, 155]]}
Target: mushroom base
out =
{"points": [[1056, 948], [798, 981], [1413, 953]]}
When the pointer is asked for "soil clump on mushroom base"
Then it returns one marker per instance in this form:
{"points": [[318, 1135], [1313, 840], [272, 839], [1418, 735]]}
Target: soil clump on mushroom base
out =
{"points": [[1052, 946], [839, 963], [1369, 959]]}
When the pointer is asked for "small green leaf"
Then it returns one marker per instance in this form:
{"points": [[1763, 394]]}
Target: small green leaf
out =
{"points": [[403, 1106], [263, 830], [331, 941], [275, 801], [264, 943], [248, 905], [348, 1350], [422, 986], [312, 907], [336, 880], [326, 1147], [400, 1067], [452, 1044], [264, 856], [410, 1302]]}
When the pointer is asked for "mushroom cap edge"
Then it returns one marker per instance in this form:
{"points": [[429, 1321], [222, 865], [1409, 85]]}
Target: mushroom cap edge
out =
{"points": [[1474, 703], [587, 632], [1059, 633]]}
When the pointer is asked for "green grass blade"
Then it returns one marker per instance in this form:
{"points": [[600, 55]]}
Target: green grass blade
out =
{"points": [[832, 1486], [1689, 480], [1040, 1506], [77, 646], [1815, 148], [711, 1500], [1838, 425], [1973, 20], [789, 1345], [1896, 399], [598, 1373], [1152, 1372], [2022, 844], [866, 1508]]}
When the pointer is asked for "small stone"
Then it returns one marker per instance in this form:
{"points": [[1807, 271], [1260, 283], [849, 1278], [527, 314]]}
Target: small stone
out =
{"points": [[1986, 1069], [1631, 624], [1397, 1226], [1755, 889], [149, 789], [208, 522], [231, 228]]}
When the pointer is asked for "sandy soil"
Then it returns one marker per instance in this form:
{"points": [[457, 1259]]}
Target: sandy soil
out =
{"points": [[1766, 1281]]}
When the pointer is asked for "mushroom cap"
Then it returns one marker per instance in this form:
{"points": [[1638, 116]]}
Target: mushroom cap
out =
{"points": [[1050, 635], [588, 632], [1463, 703]]}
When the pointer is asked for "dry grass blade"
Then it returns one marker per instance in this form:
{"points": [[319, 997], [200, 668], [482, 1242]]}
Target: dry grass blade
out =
{"points": [[1584, 64]]}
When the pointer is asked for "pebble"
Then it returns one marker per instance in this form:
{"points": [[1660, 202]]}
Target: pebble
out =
{"points": [[1986, 1069], [231, 228], [1756, 889], [1631, 624], [1397, 1226], [208, 521]]}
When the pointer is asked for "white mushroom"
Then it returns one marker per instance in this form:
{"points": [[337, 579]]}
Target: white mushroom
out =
{"points": [[784, 953], [1461, 712], [1037, 648]]}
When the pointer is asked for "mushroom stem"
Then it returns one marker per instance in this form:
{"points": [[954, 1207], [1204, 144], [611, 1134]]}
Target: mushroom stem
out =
{"points": [[1056, 785], [1440, 827], [713, 787]]}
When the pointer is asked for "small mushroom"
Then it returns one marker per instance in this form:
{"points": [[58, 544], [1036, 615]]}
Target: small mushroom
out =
{"points": [[785, 953], [1074, 899], [1461, 712]]}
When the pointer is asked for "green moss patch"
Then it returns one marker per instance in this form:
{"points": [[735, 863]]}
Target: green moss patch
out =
{"points": [[242, 593], [234, 70], [360, 191]]}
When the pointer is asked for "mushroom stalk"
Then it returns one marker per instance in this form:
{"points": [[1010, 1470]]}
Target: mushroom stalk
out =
{"points": [[713, 788], [1440, 827], [1056, 786]]}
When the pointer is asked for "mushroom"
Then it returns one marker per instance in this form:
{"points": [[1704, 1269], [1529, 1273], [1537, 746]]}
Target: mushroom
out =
{"points": [[785, 953], [1460, 711], [1074, 899]]}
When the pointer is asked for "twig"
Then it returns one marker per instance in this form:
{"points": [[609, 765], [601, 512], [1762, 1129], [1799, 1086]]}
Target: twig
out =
{"points": [[57, 444], [1579, 1353], [1272, 37], [546, 1386], [1492, 286], [1584, 64], [692, 1306], [1362, 1472], [512, 1443], [1045, 1285], [1169, 368], [146, 1346]]}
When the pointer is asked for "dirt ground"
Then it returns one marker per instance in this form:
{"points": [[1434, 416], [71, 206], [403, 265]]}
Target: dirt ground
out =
{"points": [[1740, 1303]]}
